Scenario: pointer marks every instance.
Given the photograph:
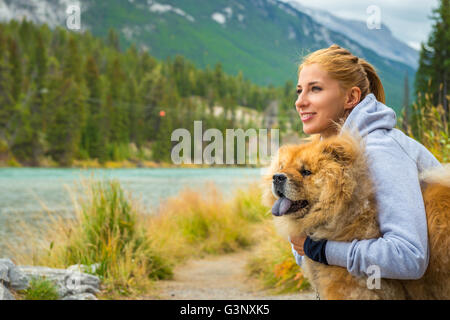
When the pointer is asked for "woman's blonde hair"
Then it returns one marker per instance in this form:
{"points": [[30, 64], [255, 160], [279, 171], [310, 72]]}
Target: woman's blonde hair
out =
{"points": [[348, 69]]}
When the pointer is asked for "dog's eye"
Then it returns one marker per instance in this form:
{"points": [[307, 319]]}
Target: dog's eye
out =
{"points": [[304, 172]]}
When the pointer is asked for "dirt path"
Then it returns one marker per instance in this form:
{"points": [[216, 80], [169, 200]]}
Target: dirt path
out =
{"points": [[217, 278]]}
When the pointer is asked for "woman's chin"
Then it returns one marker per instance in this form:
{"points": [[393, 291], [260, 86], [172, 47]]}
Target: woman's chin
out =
{"points": [[309, 130]]}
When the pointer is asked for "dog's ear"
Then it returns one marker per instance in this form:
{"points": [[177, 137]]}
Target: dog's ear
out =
{"points": [[341, 150], [285, 150]]}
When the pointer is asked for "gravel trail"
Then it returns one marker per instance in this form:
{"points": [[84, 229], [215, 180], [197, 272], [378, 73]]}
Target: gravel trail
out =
{"points": [[217, 278]]}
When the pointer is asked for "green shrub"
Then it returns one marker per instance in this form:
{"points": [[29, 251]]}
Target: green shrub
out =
{"points": [[41, 289]]}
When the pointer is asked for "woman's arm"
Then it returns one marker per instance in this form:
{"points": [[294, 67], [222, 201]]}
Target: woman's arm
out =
{"points": [[402, 251]]}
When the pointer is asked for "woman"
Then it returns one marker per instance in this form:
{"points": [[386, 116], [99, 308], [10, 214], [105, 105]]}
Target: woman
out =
{"points": [[336, 86]]}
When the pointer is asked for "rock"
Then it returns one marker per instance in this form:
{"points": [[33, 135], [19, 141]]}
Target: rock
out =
{"points": [[5, 294], [78, 282], [84, 268], [71, 283], [4, 278], [17, 280], [68, 283]]}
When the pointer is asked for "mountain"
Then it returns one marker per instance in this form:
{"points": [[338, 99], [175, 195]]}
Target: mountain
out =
{"points": [[379, 40], [265, 39], [51, 12]]}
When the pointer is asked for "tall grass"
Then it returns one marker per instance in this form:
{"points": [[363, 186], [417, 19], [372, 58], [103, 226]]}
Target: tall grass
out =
{"points": [[429, 125], [107, 230], [197, 223], [273, 263]]}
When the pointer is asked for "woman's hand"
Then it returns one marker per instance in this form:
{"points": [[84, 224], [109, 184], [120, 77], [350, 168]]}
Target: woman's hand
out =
{"points": [[298, 242]]}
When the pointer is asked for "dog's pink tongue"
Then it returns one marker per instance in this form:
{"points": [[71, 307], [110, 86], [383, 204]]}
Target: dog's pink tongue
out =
{"points": [[281, 206]]}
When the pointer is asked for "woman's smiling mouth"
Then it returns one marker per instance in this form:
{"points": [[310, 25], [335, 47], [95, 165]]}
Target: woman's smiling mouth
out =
{"points": [[306, 116]]}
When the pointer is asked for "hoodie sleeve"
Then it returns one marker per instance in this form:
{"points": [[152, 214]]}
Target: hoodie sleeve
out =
{"points": [[402, 251]]}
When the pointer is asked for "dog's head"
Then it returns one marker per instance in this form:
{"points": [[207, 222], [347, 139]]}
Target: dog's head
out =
{"points": [[311, 183]]}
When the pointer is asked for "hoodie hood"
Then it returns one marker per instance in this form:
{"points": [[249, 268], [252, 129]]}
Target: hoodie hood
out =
{"points": [[370, 115]]}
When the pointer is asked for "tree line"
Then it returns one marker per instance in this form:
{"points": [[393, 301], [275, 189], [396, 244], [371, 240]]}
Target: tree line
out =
{"points": [[432, 82], [67, 96]]}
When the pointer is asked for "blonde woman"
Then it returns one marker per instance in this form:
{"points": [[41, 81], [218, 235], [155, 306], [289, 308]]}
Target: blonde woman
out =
{"points": [[334, 85]]}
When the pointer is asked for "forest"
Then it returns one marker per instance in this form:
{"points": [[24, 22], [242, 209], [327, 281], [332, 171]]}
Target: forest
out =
{"points": [[67, 96]]}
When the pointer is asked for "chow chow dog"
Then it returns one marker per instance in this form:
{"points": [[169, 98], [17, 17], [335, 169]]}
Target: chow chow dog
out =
{"points": [[322, 188]]}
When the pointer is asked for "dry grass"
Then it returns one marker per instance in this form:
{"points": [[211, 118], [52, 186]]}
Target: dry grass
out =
{"points": [[429, 125], [134, 248], [194, 224], [273, 263]]}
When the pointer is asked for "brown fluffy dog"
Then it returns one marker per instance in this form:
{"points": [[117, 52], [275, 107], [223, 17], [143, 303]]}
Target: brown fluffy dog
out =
{"points": [[331, 196]]}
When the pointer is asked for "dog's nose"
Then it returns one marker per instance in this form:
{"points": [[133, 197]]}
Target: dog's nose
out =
{"points": [[279, 178]]}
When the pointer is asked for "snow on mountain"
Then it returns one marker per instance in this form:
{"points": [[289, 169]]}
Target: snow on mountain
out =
{"points": [[379, 40], [163, 8], [51, 12], [219, 18]]}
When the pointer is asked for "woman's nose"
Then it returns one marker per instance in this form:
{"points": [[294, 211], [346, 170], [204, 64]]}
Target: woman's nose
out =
{"points": [[301, 102]]}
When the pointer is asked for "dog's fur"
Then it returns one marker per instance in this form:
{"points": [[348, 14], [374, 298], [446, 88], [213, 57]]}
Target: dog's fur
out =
{"points": [[342, 207]]}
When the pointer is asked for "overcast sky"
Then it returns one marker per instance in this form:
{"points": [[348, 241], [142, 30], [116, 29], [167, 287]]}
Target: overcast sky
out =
{"points": [[408, 19]]}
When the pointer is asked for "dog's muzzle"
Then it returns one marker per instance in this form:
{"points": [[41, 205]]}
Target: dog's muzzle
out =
{"points": [[284, 205], [279, 183]]}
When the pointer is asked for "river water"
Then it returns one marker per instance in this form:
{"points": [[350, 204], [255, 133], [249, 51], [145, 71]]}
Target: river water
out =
{"points": [[27, 193]]}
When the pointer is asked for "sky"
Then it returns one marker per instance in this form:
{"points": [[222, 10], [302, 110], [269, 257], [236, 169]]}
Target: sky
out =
{"points": [[407, 19]]}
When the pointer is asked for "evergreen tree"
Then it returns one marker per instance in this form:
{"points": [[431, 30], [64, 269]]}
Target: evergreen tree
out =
{"points": [[219, 82], [405, 103], [135, 114], [93, 139], [6, 98], [38, 103], [113, 40], [117, 106], [433, 75], [65, 128], [16, 69], [161, 148], [22, 137]]}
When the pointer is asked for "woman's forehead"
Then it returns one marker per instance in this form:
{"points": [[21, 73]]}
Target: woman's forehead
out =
{"points": [[312, 72]]}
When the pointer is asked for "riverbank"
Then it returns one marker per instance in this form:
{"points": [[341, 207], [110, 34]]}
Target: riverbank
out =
{"points": [[94, 164], [135, 251]]}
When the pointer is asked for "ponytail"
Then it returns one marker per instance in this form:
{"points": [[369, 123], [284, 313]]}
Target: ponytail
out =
{"points": [[375, 85]]}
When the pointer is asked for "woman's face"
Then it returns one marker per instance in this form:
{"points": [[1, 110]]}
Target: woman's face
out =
{"points": [[320, 100]]}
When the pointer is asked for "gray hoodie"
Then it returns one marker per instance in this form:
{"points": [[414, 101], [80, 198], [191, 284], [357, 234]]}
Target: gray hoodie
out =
{"points": [[395, 162]]}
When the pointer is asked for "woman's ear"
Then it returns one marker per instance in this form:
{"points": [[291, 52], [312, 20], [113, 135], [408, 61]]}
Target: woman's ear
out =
{"points": [[353, 98]]}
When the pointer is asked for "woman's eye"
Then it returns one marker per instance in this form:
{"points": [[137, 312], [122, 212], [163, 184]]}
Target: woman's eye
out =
{"points": [[313, 89], [305, 172]]}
